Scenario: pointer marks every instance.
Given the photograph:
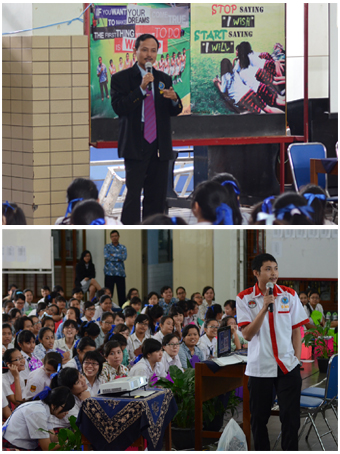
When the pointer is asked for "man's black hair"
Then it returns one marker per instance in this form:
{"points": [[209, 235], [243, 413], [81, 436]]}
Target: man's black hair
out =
{"points": [[114, 231], [260, 259], [143, 38]]}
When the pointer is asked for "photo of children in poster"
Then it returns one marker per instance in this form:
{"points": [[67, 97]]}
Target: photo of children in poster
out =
{"points": [[113, 31], [237, 59]]}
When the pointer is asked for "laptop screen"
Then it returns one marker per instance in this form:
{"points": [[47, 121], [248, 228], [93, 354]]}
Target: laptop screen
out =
{"points": [[223, 341]]}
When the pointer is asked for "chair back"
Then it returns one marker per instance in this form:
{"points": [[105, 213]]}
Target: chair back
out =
{"points": [[299, 155], [331, 389]]}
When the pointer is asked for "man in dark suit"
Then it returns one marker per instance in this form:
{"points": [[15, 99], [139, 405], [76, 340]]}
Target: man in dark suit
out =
{"points": [[145, 140]]}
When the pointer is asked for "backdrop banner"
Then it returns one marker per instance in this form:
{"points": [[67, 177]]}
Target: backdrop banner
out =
{"points": [[237, 58]]}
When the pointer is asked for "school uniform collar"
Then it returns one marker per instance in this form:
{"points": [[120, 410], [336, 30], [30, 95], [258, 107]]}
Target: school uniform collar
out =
{"points": [[276, 291]]}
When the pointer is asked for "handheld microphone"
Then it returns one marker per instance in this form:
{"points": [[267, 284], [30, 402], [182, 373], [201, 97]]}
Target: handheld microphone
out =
{"points": [[270, 286], [148, 67]]}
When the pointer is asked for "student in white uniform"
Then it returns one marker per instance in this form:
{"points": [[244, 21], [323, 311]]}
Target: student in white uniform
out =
{"points": [[22, 429], [166, 326], [76, 382], [92, 368], [46, 339], [171, 344], [6, 411], [105, 325], [6, 337], [41, 377], [151, 363], [13, 379], [208, 342], [66, 343], [81, 347], [135, 340], [25, 343], [113, 367], [155, 313], [271, 325]]}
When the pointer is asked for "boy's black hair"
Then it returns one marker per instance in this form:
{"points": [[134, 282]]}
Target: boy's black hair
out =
{"points": [[70, 322], [186, 330], [135, 300], [11, 286], [57, 288], [231, 303], [191, 305], [259, 260], [312, 291], [95, 356], [46, 287], [54, 305], [150, 346], [86, 212], [165, 287], [101, 292], [6, 325], [143, 38], [24, 336], [77, 290], [141, 318], [60, 298]]}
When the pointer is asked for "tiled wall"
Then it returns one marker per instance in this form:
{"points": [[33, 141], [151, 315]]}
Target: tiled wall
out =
{"points": [[45, 121]]}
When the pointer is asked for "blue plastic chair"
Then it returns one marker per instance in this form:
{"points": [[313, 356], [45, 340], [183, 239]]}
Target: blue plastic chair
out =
{"points": [[311, 406]]}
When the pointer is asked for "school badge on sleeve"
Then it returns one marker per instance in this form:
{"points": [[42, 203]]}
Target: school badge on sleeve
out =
{"points": [[33, 389]]}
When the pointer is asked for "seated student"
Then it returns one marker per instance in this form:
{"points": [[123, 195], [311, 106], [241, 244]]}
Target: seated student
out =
{"points": [[188, 348], [12, 381], [92, 368], [8, 306], [39, 310], [29, 305], [25, 343], [314, 310], [153, 300], [45, 291], [130, 317], [166, 326], [166, 300], [46, 339], [6, 411], [90, 329], [14, 314], [130, 294], [163, 219], [61, 303], [76, 382], [192, 311], [293, 209], [229, 308], [155, 314], [66, 343], [211, 204], [28, 420], [208, 342], [122, 340], [113, 367], [12, 214], [151, 363], [181, 294], [105, 324], [78, 294], [11, 290], [262, 213], [171, 344], [177, 315], [59, 289], [19, 301], [214, 312], [122, 329], [136, 304], [88, 212], [135, 340], [41, 377], [36, 325], [72, 313], [85, 275], [89, 312], [232, 186], [6, 337], [82, 346], [105, 305], [48, 322], [209, 297], [237, 341], [317, 199]]}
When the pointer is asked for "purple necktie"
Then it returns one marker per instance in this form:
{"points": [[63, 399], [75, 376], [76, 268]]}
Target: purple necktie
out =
{"points": [[150, 132]]}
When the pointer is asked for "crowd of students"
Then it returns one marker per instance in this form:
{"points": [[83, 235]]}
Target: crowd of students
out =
{"points": [[214, 202], [62, 351]]}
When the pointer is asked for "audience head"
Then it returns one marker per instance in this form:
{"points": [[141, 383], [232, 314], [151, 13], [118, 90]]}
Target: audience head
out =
{"points": [[230, 307], [92, 364], [25, 340], [6, 334], [197, 297], [136, 303], [232, 186], [171, 344], [181, 293], [163, 219], [214, 312], [153, 298], [90, 329], [208, 293], [113, 353], [131, 293], [23, 323], [14, 356], [51, 362], [166, 293], [190, 335], [80, 189], [317, 199], [88, 212], [12, 214], [85, 344], [152, 350], [293, 209]]}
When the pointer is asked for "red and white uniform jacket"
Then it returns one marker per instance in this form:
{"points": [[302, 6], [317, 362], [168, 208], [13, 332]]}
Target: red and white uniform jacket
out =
{"points": [[272, 346]]}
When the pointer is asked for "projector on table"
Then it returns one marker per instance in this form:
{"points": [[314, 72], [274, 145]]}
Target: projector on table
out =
{"points": [[122, 385]]}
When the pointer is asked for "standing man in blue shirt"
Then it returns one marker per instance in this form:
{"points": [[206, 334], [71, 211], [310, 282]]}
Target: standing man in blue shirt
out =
{"points": [[115, 254], [102, 74]]}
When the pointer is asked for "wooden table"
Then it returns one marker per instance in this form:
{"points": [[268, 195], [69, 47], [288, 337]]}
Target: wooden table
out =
{"points": [[317, 167], [208, 385]]}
